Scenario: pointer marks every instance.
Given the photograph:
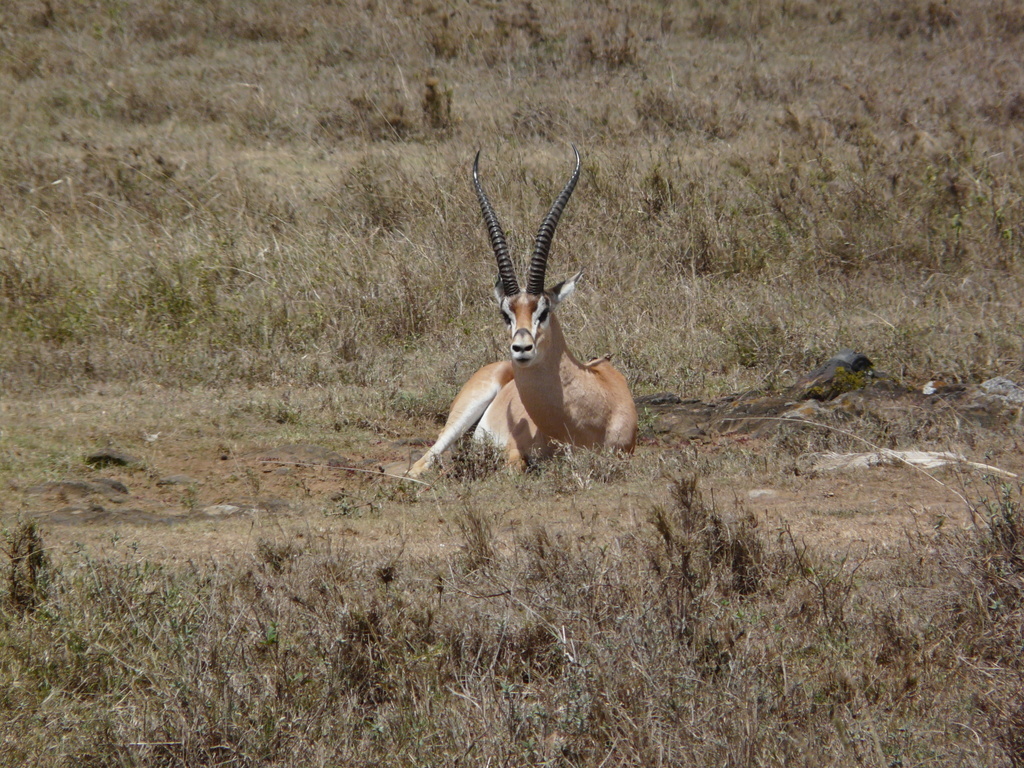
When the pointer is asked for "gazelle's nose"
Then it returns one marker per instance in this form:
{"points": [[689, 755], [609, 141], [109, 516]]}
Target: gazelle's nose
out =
{"points": [[523, 347]]}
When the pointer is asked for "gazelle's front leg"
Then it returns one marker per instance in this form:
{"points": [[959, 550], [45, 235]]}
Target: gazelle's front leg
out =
{"points": [[470, 404]]}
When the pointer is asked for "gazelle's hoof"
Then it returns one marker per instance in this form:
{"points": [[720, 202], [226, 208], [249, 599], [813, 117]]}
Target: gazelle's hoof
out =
{"points": [[418, 468]]}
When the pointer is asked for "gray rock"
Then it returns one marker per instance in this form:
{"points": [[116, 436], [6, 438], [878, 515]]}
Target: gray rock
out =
{"points": [[1003, 389], [821, 383], [115, 485], [222, 510], [270, 504], [107, 457], [177, 480]]}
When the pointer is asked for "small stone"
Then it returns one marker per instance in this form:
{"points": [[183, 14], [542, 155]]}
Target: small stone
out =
{"points": [[221, 510], [107, 457], [1004, 389], [846, 371], [177, 480], [114, 485]]}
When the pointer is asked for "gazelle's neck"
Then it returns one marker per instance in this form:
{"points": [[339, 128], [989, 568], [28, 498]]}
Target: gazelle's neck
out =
{"points": [[545, 385]]}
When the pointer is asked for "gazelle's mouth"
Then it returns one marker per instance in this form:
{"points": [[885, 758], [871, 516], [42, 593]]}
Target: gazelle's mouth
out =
{"points": [[524, 358]]}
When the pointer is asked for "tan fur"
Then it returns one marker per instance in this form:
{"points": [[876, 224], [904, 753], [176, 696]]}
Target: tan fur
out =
{"points": [[553, 399], [542, 395]]}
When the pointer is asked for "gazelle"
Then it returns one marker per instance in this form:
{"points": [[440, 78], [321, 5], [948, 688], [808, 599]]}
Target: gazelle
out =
{"points": [[542, 395]]}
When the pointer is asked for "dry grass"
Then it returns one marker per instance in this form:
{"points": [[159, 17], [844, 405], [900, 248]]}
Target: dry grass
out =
{"points": [[694, 640], [200, 195], [272, 199]]}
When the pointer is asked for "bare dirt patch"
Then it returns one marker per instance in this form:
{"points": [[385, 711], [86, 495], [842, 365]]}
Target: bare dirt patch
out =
{"points": [[215, 473]]}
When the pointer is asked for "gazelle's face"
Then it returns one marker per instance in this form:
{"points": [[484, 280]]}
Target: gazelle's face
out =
{"points": [[527, 319], [530, 319]]}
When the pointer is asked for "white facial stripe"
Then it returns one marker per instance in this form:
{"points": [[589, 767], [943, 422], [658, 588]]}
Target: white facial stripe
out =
{"points": [[541, 313], [507, 314]]}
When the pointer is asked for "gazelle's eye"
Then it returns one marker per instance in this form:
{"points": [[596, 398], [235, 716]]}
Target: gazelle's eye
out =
{"points": [[506, 318], [543, 316]]}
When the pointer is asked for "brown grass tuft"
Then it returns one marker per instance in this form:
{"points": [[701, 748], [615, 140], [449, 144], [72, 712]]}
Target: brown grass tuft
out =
{"points": [[28, 566]]}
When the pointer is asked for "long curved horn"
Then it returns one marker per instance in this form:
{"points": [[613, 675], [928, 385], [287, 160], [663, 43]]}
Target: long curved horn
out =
{"points": [[539, 262], [505, 269]]}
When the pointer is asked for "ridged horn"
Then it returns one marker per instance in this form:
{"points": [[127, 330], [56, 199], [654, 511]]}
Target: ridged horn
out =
{"points": [[539, 261], [506, 271]]}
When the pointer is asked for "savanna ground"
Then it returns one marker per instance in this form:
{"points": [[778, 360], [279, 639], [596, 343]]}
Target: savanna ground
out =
{"points": [[228, 228]]}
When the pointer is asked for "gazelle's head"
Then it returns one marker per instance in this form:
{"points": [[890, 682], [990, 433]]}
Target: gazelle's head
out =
{"points": [[529, 316]]}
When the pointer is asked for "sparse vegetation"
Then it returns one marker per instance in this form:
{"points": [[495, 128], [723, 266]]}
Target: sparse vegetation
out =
{"points": [[229, 225], [27, 566], [696, 641], [178, 216]]}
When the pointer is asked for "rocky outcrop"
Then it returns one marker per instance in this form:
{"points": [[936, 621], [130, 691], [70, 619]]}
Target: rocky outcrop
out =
{"points": [[846, 386]]}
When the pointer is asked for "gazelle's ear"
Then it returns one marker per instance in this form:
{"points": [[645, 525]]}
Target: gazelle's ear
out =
{"points": [[499, 290], [564, 289]]}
